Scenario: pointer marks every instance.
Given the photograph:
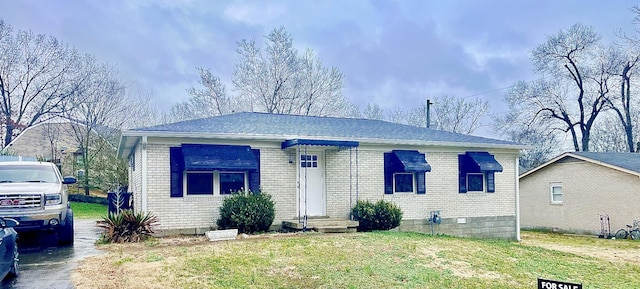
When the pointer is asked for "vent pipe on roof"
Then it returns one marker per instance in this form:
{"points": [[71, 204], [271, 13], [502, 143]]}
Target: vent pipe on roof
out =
{"points": [[428, 113]]}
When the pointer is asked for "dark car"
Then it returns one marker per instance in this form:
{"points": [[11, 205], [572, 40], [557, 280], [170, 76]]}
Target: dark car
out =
{"points": [[9, 264]]}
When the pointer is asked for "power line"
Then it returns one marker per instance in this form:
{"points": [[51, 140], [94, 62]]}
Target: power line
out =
{"points": [[503, 88]]}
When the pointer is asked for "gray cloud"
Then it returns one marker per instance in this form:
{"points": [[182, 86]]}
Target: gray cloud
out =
{"points": [[392, 53]]}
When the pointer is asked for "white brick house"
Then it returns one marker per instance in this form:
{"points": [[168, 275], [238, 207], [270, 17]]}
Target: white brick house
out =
{"points": [[571, 191], [320, 166]]}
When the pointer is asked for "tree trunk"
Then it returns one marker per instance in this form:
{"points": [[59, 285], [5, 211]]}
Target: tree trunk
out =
{"points": [[85, 165], [9, 131]]}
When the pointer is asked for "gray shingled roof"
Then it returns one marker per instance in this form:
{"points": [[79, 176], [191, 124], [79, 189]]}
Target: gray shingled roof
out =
{"points": [[629, 161], [276, 125]]}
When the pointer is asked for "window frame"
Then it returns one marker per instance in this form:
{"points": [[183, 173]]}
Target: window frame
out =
{"points": [[413, 182], [482, 178], [551, 193], [217, 190]]}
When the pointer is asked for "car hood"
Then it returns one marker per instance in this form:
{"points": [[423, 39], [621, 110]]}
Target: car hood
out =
{"points": [[29, 187]]}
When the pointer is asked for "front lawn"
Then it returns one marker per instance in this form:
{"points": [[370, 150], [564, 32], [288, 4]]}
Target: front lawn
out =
{"points": [[360, 260], [88, 210]]}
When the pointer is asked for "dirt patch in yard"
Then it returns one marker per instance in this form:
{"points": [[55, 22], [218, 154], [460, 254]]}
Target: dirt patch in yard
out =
{"points": [[592, 249]]}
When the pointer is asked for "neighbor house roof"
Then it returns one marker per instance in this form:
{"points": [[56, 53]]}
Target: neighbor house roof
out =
{"points": [[626, 162], [280, 127]]}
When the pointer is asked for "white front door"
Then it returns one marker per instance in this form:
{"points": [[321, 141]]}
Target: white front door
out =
{"points": [[311, 180]]}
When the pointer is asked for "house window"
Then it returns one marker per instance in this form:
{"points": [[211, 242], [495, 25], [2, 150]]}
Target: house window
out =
{"points": [[404, 172], [475, 182], [199, 183], [476, 172], [403, 183], [231, 182], [215, 183], [206, 169], [556, 193], [309, 161]]}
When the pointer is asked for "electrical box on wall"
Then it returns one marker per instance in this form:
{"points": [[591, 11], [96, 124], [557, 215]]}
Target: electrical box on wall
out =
{"points": [[434, 217]]}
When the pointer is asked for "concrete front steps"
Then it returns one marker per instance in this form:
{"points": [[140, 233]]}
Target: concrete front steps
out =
{"points": [[322, 225]]}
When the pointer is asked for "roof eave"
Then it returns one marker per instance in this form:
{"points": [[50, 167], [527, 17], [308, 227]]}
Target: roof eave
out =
{"points": [[126, 135], [571, 154]]}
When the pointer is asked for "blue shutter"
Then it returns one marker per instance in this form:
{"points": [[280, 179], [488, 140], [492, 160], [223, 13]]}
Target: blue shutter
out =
{"points": [[254, 175], [491, 184], [176, 161], [388, 174], [421, 183], [462, 175]]}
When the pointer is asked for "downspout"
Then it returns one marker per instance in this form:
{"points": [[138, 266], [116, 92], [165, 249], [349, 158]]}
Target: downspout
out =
{"points": [[144, 170], [357, 176], [350, 181], [517, 182]]}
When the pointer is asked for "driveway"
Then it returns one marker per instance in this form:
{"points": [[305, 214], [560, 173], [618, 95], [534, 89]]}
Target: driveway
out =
{"points": [[45, 266]]}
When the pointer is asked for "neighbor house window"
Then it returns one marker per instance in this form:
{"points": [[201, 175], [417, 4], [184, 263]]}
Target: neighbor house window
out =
{"points": [[556, 193], [403, 183], [215, 183]]}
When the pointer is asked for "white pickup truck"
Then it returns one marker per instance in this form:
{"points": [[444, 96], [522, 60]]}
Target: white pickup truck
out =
{"points": [[35, 194]]}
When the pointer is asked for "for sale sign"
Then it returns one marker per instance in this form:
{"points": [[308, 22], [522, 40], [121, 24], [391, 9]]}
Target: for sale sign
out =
{"points": [[550, 284]]}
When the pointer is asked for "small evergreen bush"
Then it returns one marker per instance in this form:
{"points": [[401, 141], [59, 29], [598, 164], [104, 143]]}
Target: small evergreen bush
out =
{"points": [[379, 216], [127, 227], [248, 212]]}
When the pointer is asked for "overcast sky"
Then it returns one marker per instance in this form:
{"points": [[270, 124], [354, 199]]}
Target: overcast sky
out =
{"points": [[393, 53]]}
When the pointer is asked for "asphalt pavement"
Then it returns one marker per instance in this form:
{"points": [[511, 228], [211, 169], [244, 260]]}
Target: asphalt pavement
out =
{"points": [[43, 265]]}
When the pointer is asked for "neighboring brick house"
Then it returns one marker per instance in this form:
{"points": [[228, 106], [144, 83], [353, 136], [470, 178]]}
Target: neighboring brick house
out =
{"points": [[571, 191], [320, 166], [50, 141]]}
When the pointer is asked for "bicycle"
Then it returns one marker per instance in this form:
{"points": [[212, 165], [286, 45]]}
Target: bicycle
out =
{"points": [[632, 232]]}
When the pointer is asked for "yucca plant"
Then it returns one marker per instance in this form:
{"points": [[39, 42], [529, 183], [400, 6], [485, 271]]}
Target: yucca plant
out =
{"points": [[127, 226]]}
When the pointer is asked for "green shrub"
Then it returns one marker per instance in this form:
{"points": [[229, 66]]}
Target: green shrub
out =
{"points": [[379, 216], [127, 227], [248, 212]]}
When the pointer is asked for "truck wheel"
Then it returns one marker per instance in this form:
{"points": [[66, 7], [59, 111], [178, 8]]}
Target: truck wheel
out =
{"points": [[65, 233]]}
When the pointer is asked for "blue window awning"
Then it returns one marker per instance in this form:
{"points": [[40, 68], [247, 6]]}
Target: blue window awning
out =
{"points": [[412, 161], [484, 162], [218, 157], [317, 142]]}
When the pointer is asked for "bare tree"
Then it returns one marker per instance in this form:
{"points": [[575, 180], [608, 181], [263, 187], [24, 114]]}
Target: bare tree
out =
{"points": [[52, 133], [540, 136], [448, 113], [320, 88], [373, 111], [459, 115], [626, 70], [566, 100], [610, 136], [100, 108], [276, 80], [211, 100], [282, 81], [37, 74]]}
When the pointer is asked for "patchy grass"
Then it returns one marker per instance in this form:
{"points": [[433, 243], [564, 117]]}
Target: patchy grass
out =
{"points": [[361, 260], [88, 210]]}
